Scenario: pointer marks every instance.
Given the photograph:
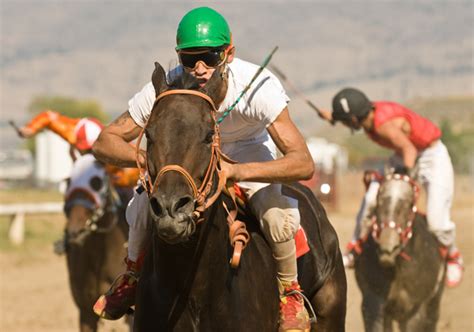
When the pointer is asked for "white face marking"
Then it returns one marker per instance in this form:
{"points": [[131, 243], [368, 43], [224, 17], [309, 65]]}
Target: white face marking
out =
{"points": [[398, 191]]}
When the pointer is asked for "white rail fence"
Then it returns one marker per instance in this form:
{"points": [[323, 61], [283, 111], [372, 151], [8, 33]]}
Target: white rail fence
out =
{"points": [[16, 230]]}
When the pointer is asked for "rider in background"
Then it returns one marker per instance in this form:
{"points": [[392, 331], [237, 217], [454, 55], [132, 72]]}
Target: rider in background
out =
{"points": [[80, 133], [415, 140], [250, 134]]}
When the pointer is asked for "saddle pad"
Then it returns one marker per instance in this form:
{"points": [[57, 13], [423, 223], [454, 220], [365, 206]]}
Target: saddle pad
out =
{"points": [[300, 237]]}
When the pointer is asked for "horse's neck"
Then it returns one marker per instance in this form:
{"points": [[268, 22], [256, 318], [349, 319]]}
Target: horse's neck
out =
{"points": [[201, 258]]}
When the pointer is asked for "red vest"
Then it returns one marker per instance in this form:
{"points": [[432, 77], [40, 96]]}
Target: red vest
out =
{"points": [[423, 132]]}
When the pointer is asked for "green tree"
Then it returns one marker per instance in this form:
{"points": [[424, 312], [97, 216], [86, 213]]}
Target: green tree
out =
{"points": [[460, 145], [68, 106]]}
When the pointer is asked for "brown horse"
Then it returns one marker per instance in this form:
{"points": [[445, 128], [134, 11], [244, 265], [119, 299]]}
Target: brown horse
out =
{"points": [[187, 283], [94, 236], [400, 271]]}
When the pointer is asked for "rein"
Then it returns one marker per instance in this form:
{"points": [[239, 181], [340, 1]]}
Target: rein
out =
{"points": [[203, 198], [404, 233]]}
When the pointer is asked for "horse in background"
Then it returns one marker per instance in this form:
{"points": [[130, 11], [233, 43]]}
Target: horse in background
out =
{"points": [[187, 283], [401, 269], [95, 235]]}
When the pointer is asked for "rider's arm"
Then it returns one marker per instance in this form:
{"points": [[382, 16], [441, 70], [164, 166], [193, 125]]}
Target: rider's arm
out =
{"points": [[112, 146], [399, 140], [296, 164], [326, 115]]}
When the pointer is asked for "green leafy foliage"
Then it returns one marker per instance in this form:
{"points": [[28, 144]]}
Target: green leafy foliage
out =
{"points": [[460, 145], [68, 106]]}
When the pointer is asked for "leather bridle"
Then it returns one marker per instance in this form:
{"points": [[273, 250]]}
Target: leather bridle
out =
{"points": [[202, 195], [203, 198], [405, 233]]}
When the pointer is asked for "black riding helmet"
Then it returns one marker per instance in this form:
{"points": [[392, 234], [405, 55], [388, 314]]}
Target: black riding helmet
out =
{"points": [[350, 102]]}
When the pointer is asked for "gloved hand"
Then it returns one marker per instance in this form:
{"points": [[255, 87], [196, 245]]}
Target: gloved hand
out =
{"points": [[402, 170]]}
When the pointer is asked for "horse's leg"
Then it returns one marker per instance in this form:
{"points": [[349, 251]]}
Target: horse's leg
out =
{"points": [[88, 321], [373, 313], [129, 322], [425, 318], [330, 301]]}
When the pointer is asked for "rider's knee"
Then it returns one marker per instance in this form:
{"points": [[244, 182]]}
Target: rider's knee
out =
{"points": [[280, 225]]}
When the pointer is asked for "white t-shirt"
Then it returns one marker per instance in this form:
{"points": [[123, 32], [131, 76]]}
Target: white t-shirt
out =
{"points": [[256, 110]]}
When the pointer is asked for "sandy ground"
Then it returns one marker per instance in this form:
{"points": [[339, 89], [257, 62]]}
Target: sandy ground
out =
{"points": [[34, 293]]}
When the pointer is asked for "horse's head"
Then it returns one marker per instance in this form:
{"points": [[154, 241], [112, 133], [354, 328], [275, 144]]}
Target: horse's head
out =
{"points": [[394, 215], [182, 140], [86, 198]]}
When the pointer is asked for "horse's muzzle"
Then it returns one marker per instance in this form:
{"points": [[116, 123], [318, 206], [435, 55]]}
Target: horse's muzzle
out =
{"points": [[175, 230]]}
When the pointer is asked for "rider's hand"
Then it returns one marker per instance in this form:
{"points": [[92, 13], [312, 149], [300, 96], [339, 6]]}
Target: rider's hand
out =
{"points": [[229, 170], [402, 170], [25, 132], [326, 115]]}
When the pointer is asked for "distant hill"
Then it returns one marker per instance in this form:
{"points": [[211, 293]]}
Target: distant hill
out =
{"points": [[105, 50]]}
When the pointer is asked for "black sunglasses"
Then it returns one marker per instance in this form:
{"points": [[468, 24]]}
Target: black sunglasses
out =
{"points": [[211, 58]]}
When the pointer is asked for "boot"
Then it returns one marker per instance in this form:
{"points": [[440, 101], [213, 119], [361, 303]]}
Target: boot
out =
{"points": [[353, 249], [293, 314], [454, 268], [116, 302]]}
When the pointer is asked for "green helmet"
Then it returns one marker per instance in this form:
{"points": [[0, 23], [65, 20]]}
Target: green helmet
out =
{"points": [[202, 27]]}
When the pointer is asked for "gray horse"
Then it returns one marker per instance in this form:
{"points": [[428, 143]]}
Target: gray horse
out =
{"points": [[401, 270]]}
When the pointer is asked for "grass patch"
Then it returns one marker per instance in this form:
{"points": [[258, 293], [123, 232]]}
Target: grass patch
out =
{"points": [[33, 195], [41, 230]]}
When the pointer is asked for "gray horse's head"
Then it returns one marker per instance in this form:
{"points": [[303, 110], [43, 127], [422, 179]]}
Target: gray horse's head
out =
{"points": [[394, 215]]}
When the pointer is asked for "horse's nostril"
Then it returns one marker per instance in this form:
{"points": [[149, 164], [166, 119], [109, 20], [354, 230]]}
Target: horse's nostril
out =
{"points": [[182, 202], [156, 207]]}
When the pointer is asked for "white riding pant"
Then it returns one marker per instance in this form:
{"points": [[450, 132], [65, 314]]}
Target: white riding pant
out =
{"points": [[435, 173], [278, 214]]}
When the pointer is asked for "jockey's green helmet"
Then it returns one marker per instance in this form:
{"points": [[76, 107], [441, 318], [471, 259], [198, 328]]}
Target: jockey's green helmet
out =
{"points": [[202, 27]]}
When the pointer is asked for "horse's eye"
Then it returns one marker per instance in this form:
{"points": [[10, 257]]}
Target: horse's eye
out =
{"points": [[96, 183], [209, 136]]}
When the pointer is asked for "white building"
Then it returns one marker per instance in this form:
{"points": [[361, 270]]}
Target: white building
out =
{"points": [[327, 155], [52, 163]]}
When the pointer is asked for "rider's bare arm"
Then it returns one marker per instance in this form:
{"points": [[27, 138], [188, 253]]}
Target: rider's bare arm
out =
{"points": [[325, 115], [113, 146], [296, 164], [393, 133]]}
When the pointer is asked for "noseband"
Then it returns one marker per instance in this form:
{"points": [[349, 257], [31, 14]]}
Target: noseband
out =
{"points": [[201, 195], [404, 233]]}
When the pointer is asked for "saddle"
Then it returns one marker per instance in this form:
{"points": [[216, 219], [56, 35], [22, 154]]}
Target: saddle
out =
{"points": [[243, 211]]}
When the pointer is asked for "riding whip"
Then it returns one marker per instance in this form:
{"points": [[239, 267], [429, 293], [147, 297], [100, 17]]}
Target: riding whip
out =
{"points": [[296, 90], [12, 123], [258, 72]]}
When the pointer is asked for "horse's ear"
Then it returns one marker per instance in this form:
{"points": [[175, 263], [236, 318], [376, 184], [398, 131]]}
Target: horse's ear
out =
{"points": [[413, 174], [158, 78], [214, 85]]}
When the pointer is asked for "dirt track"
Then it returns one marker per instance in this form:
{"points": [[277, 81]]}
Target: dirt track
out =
{"points": [[34, 294]]}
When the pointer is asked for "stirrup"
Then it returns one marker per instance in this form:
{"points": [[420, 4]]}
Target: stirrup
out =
{"points": [[313, 319]]}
